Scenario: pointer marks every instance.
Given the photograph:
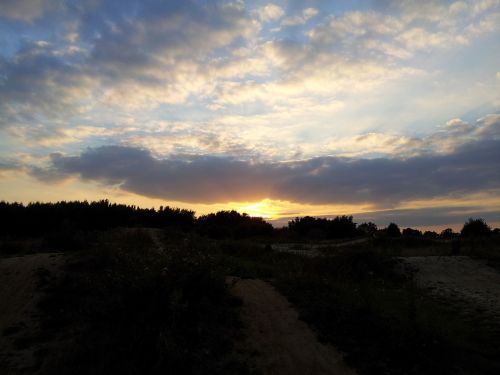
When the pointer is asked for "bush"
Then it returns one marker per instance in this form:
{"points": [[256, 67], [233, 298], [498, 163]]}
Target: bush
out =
{"points": [[475, 228], [134, 310], [392, 230]]}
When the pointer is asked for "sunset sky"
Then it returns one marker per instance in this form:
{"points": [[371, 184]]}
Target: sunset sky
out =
{"points": [[388, 110]]}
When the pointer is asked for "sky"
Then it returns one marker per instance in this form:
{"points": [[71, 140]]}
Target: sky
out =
{"points": [[387, 110]]}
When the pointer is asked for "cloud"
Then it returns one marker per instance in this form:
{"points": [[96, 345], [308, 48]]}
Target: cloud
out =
{"points": [[455, 133], [425, 217], [26, 10], [55, 136], [385, 182], [331, 86], [353, 25], [412, 27], [301, 19], [38, 83], [138, 55], [9, 165], [270, 12]]}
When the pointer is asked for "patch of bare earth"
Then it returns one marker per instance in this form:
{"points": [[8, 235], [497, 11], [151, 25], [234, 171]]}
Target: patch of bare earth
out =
{"points": [[468, 281], [21, 287], [283, 344]]}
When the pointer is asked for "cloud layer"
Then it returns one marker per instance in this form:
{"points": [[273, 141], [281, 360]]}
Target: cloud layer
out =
{"points": [[385, 182], [228, 100]]}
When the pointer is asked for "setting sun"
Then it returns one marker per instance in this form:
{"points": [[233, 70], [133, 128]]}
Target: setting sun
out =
{"points": [[237, 187], [265, 209]]}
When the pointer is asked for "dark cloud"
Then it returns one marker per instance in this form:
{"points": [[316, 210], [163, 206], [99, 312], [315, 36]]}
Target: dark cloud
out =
{"points": [[443, 216], [37, 83], [9, 165], [27, 10], [473, 167], [107, 47], [143, 41]]}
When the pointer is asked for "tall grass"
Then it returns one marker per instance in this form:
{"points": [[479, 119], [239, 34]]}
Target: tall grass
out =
{"points": [[360, 301], [124, 307]]}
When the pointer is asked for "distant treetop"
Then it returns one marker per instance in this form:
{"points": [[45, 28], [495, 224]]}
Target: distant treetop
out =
{"points": [[475, 228]]}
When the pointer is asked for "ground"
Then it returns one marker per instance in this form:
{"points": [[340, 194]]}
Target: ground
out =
{"points": [[21, 280], [280, 343], [469, 282], [283, 343]]}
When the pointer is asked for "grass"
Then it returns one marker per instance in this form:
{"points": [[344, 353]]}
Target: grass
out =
{"points": [[360, 302], [125, 308], [487, 249]]}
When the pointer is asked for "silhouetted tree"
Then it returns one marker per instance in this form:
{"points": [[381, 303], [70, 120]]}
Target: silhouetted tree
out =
{"points": [[447, 234], [430, 234], [42, 218], [368, 229], [392, 230], [232, 224], [409, 232], [475, 228], [318, 228]]}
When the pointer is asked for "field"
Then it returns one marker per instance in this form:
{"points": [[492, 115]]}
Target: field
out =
{"points": [[154, 301]]}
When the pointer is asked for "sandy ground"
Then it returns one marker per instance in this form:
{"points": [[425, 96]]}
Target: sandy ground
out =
{"points": [[20, 290], [314, 250], [284, 344], [466, 280]]}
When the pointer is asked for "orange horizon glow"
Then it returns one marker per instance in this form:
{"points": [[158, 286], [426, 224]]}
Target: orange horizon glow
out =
{"points": [[277, 212]]}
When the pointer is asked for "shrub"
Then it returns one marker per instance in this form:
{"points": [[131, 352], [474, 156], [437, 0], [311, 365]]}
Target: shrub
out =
{"points": [[392, 230], [475, 228]]}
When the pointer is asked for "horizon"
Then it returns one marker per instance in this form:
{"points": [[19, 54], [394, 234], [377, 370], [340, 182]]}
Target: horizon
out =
{"points": [[282, 222], [388, 111]]}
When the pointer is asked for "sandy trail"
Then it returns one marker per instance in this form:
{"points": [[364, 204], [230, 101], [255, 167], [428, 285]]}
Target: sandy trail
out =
{"points": [[465, 279], [19, 295], [285, 344], [315, 250]]}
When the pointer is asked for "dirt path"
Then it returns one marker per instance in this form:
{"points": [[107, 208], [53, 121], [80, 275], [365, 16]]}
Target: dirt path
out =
{"points": [[315, 250], [284, 344], [468, 280], [20, 291], [156, 235]]}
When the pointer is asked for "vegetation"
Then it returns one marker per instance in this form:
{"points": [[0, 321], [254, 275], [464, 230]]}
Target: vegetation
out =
{"points": [[64, 222], [37, 219], [134, 310], [360, 301], [318, 228], [368, 229], [231, 224], [475, 228], [393, 230], [154, 300], [412, 232]]}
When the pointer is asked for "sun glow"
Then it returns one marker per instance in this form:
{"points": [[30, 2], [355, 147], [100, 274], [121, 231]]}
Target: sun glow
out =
{"points": [[281, 211], [265, 209]]}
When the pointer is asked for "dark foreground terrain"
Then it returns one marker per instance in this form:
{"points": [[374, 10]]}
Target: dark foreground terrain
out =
{"points": [[151, 301]]}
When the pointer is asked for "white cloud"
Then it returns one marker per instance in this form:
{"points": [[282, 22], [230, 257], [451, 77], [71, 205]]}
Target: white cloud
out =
{"points": [[418, 38], [270, 12], [307, 14], [171, 62]]}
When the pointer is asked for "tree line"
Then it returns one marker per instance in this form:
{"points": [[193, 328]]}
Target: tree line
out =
{"points": [[35, 219]]}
